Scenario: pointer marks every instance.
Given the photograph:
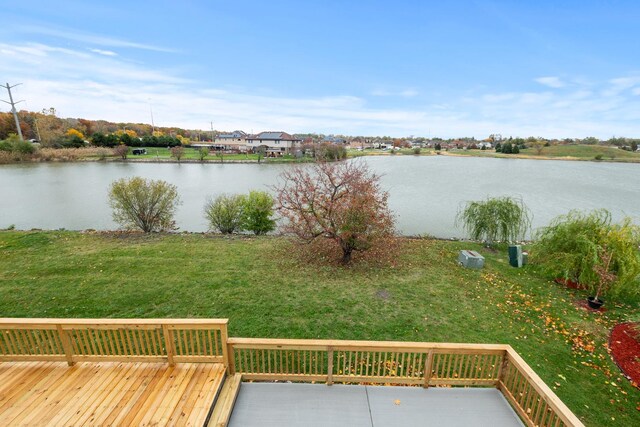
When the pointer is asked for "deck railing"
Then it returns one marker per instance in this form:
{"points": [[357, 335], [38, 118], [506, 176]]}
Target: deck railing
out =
{"points": [[150, 340], [408, 363], [330, 361]]}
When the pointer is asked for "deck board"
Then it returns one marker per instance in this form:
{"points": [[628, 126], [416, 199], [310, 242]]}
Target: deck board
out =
{"points": [[107, 393]]}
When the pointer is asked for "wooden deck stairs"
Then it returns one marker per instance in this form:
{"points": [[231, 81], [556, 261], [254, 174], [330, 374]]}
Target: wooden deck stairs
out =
{"points": [[223, 405]]}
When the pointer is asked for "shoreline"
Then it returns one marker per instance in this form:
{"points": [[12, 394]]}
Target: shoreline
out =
{"points": [[301, 161], [138, 233]]}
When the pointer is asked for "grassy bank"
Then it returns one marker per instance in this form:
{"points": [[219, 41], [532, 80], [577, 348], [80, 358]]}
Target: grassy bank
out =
{"points": [[560, 152], [265, 293]]}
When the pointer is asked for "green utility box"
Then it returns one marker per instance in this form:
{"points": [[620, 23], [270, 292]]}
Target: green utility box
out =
{"points": [[515, 256]]}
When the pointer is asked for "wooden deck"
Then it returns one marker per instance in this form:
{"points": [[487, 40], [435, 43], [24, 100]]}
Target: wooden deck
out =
{"points": [[107, 393], [170, 371]]}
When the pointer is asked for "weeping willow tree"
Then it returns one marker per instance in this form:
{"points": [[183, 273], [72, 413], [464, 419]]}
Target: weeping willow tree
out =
{"points": [[499, 219], [586, 246]]}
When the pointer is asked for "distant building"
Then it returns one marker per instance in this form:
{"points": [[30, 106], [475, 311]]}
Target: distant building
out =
{"points": [[231, 141], [334, 140], [274, 143]]}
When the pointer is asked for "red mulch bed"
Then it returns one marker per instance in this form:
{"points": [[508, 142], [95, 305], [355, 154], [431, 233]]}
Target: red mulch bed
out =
{"points": [[583, 304], [569, 283], [624, 344]]}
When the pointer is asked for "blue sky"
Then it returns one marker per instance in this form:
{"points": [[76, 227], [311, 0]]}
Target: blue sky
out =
{"points": [[401, 68]]}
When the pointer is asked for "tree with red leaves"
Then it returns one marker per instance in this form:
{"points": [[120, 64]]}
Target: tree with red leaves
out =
{"points": [[336, 205]]}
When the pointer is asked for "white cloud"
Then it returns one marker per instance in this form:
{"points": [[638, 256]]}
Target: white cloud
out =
{"points": [[552, 81], [94, 86], [405, 93], [93, 39], [104, 52]]}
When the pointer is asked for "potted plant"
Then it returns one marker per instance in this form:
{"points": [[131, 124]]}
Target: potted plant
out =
{"points": [[605, 278]]}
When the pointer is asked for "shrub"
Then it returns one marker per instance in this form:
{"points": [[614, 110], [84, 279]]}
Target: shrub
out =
{"points": [[416, 150], [337, 208], [149, 205], [122, 151], [177, 152], [225, 213], [331, 152], [501, 219], [202, 153], [598, 157], [258, 212], [72, 141], [576, 246], [101, 140]]}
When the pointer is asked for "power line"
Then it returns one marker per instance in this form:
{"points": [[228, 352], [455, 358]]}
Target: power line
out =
{"points": [[13, 108]]}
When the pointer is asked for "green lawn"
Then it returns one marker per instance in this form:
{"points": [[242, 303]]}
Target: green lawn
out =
{"points": [[190, 154], [580, 152], [265, 293]]}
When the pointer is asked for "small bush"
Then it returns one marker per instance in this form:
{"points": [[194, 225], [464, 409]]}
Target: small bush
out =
{"points": [[331, 152], [258, 213], [417, 150], [203, 152], [225, 213], [574, 246], [121, 151], [177, 152], [149, 205], [501, 219], [598, 157]]}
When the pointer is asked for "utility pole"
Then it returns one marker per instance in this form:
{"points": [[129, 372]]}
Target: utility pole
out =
{"points": [[13, 108], [212, 138], [153, 128]]}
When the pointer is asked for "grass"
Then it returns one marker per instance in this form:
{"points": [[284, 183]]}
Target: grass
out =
{"points": [[192, 154], [567, 152], [266, 293]]}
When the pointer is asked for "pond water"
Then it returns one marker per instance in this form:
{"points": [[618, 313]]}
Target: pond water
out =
{"points": [[425, 192]]}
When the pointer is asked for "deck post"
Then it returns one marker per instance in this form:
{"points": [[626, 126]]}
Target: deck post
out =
{"points": [[330, 365], [169, 344], [428, 366], [503, 369], [231, 358], [226, 349], [66, 344]]}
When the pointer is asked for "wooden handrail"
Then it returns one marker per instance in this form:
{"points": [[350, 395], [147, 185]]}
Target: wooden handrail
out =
{"points": [[73, 340], [302, 344], [547, 396]]}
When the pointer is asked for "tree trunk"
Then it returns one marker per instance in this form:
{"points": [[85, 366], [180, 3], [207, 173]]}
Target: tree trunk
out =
{"points": [[346, 255]]}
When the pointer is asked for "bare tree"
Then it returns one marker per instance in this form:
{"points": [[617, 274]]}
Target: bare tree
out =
{"points": [[336, 205], [121, 151], [177, 152]]}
